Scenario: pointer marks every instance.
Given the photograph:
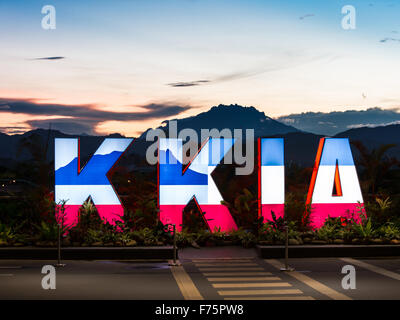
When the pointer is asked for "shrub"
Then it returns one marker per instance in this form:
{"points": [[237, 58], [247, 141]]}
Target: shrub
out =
{"points": [[244, 209], [6, 233], [47, 231], [388, 231], [93, 235], [184, 238], [247, 239], [363, 229], [270, 233]]}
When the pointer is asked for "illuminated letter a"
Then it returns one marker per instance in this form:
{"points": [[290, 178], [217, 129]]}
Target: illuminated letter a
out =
{"points": [[334, 189]]}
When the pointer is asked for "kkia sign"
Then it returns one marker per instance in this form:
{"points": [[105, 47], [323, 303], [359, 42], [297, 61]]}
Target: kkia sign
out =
{"points": [[333, 170]]}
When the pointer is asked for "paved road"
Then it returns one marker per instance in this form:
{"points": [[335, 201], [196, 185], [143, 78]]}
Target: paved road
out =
{"points": [[212, 273]]}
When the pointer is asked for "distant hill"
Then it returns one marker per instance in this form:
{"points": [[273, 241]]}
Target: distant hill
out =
{"points": [[233, 117], [331, 123], [220, 117], [374, 137], [300, 147], [34, 144]]}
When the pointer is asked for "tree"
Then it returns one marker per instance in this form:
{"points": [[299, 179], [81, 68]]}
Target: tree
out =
{"points": [[375, 162]]}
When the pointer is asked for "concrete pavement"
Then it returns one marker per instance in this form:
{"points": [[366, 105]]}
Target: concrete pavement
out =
{"points": [[221, 273]]}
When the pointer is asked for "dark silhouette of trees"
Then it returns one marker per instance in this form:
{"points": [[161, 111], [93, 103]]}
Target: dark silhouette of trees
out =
{"points": [[375, 163]]}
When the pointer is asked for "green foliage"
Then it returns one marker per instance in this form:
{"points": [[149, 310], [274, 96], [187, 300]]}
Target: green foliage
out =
{"points": [[138, 217], [93, 236], [110, 235], [326, 232], [277, 223], [364, 229], [219, 236], [88, 219], [247, 239], [383, 210], [271, 234], [384, 204], [6, 233], [334, 228], [184, 238], [47, 231], [297, 211], [389, 231], [203, 236], [145, 237], [244, 209], [376, 165]]}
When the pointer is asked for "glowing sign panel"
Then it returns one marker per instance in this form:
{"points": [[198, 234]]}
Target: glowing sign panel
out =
{"points": [[334, 189], [334, 169], [74, 185], [271, 177], [177, 187]]}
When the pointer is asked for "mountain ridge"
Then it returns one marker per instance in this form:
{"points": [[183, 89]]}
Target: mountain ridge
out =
{"points": [[231, 116], [300, 146]]}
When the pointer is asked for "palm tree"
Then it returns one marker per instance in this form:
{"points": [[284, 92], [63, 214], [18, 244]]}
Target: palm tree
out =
{"points": [[375, 162]]}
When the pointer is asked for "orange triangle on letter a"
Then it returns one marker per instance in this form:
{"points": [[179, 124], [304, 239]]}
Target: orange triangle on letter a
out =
{"points": [[337, 187]]}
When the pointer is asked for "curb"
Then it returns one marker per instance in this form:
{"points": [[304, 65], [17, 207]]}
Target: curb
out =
{"points": [[88, 253], [329, 251]]}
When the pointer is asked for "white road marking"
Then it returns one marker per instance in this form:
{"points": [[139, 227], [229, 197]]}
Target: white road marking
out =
{"points": [[251, 285], [239, 273], [219, 264], [272, 298], [316, 285], [243, 279], [232, 269], [185, 284], [372, 268], [258, 292], [223, 260]]}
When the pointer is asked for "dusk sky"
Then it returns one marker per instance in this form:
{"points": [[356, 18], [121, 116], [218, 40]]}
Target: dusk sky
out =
{"points": [[125, 66]]}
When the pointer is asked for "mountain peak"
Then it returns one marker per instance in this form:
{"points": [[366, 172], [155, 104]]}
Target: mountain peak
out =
{"points": [[235, 110], [231, 117]]}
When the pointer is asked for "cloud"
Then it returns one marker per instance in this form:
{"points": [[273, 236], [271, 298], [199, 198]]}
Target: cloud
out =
{"points": [[223, 78], [371, 125], [13, 130], [338, 121], [389, 39], [50, 58], [290, 60], [188, 84], [307, 16], [84, 118], [228, 77]]}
